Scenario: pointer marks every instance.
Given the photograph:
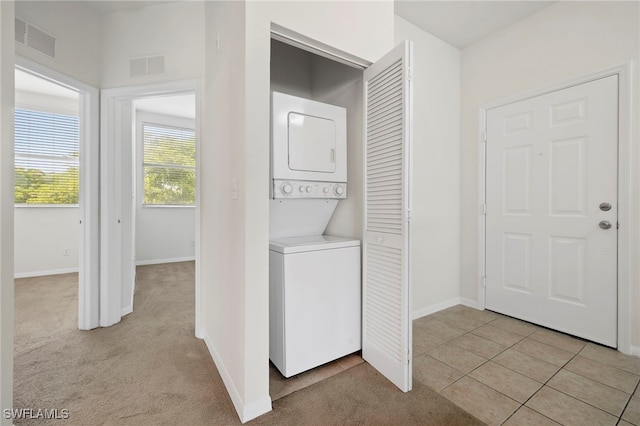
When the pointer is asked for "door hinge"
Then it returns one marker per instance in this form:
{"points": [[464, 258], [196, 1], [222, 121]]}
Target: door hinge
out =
{"points": [[410, 73], [484, 136], [484, 281], [617, 225], [408, 215], [484, 209]]}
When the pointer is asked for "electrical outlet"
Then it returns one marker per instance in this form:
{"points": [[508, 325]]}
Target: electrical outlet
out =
{"points": [[192, 243], [65, 251]]}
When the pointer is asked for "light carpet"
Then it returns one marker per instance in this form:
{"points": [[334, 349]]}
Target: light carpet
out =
{"points": [[150, 369]]}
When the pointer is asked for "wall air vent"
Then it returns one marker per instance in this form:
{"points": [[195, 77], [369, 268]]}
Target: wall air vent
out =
{"points": [[35, 38], [21, 31], [146, 66]]}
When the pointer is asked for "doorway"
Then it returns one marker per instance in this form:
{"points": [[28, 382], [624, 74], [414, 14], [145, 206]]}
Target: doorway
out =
{"points": [[56, 181], [150, 206], [382, 175], [552, 209]]}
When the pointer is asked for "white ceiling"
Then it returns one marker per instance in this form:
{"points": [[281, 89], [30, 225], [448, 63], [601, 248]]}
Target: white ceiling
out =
{"points": [[176, 106], [26, 82], [107, 6], [461, 23]]}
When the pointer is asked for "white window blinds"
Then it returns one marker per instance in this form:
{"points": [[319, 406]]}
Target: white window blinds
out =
{"points": [[46, 158], [169, 165]]}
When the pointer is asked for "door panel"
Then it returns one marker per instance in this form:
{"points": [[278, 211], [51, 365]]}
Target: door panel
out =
{"points": [[117, 272], [386, 337], [551, 162]]}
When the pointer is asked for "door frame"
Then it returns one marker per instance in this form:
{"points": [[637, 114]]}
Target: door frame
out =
{"points": [[627, 198], [88, 205], [112, 100], [303, 42]]}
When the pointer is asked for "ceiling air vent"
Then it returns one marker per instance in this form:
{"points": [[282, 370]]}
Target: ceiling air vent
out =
{"points": [[35, 38], [145, 66]]}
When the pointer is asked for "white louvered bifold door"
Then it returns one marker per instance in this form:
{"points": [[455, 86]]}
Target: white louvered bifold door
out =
{"points": [[386, 332]]}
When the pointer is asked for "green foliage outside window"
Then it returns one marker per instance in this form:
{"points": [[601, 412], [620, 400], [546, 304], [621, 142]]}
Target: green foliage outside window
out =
{"points": [[46, 158], [33, 186], [169, 165]]}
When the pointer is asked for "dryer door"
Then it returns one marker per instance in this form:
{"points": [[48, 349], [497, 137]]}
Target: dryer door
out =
{"points": [[312, 143], [308, 140]]}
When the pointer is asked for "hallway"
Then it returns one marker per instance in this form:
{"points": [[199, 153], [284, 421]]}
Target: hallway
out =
{"points": [[149, 369]]}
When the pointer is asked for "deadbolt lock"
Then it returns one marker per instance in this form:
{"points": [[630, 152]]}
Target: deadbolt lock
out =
{"points": [[605, 207]]}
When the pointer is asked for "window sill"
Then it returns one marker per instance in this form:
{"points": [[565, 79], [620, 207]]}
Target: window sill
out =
{"points": [[165, 206], [46, 206]]}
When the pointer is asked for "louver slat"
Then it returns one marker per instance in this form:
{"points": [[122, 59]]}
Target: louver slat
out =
{"points": [[383, 298]]}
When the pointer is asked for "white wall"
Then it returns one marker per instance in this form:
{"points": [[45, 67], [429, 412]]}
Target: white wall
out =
{"points": [[175, 30], [163, 234], [77, 28], [7, 64], [222, 218], [290, 70], [42, 234], [46, 238], [435, 216], [564, 41], [235, 283]]}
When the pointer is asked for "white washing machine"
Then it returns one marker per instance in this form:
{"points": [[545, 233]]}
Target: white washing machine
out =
{"points": [[314, 301]]}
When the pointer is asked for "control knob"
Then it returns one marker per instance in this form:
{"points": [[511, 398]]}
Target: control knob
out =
{"points": [[339, 190], [308, 189], [286, 188]]}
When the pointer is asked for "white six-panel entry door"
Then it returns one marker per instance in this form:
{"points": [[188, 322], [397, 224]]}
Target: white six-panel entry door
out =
{"points": [[551, 210]]}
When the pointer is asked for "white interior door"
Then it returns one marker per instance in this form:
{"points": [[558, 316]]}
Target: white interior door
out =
{"points": [[89, 212], [551, 243], [117, 270], [386, 321]]}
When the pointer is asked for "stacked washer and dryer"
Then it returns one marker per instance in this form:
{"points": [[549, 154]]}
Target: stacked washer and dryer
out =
{"points": [[314, 279]]}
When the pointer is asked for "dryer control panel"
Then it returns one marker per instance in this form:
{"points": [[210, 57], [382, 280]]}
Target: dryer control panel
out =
{"points": [[283, 188]]}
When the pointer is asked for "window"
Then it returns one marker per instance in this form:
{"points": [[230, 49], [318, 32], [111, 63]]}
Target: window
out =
{"points": [[46, 158], [169, 165]]}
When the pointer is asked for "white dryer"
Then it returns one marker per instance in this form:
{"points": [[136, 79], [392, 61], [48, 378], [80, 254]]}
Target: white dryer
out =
{"points": [[314, 301], [308, 145]]}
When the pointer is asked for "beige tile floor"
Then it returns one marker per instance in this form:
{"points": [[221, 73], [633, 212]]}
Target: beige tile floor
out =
{"points": [[506, 371]]}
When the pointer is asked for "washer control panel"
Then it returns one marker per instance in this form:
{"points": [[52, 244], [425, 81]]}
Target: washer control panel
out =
{"points": [[308, 189]]}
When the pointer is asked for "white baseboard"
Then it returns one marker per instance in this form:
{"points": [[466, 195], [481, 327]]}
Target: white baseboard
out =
{"points": [[256, 409], [635, 350], [44, 273], [432, 309], [470, 303], [159, 261], [245, 412], [126, 310], [423, 312]]}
